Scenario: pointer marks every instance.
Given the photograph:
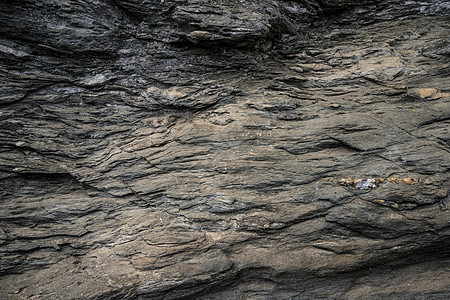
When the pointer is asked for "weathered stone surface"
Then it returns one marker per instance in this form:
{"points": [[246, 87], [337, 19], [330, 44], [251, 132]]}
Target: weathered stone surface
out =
{"points": [[224, 149]]}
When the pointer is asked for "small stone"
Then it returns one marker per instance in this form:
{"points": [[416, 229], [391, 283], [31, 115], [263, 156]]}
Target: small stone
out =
{"points": [[200, 35], [366, 184], [335, 105], [297, 69], [428, 93], [427, 181], [94, 81]]}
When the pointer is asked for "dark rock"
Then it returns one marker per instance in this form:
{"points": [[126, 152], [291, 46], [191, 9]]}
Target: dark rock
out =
{"points": [[224, 149]]}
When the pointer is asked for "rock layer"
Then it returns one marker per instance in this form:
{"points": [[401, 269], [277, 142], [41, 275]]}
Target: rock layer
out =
{"points": [[224, 150]]}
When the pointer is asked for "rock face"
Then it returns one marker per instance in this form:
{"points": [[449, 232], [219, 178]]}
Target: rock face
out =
{"points": [[224, 149]]}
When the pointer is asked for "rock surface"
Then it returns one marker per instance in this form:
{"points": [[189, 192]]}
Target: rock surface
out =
{"points": [[224, 149]]}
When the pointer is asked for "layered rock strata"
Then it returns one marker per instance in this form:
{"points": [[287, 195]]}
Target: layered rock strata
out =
{"points": [[224, 149]]}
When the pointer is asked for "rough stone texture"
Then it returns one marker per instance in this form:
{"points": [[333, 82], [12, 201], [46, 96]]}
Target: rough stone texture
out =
{"points": [[224, 149]]}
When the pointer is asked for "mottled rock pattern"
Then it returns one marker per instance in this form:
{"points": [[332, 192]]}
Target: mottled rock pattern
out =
{"points": [[224, 149]]}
